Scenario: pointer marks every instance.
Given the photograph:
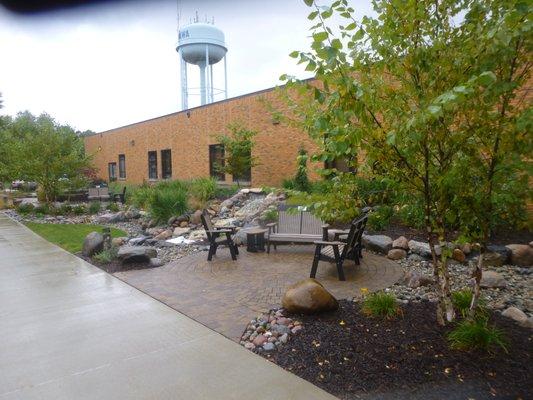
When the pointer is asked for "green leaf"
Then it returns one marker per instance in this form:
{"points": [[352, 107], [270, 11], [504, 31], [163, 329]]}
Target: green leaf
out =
{"points": [[294, 54], [313, 15], [308, 3], [320, 36], [336, 44], [487, 78]]}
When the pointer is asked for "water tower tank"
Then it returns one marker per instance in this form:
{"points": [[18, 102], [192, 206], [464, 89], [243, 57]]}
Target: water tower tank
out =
{"points": [[201, 44]]}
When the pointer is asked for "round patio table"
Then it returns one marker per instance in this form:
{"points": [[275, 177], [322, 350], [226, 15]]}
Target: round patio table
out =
{"points": [[255, 240]]}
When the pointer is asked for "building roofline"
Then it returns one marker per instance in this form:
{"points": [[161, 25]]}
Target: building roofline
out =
{"points": [[195, 108]]}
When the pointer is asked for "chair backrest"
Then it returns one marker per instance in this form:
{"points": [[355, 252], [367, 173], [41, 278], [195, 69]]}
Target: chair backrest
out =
{"points": [[93, 192], [124, 191], [357, 228], [310, 224], [206, 222], [294, 219], [103, 191]]}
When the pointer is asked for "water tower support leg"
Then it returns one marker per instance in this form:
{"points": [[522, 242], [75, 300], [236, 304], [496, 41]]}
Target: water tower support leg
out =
{"points": [[211, 81], [225, 79]]}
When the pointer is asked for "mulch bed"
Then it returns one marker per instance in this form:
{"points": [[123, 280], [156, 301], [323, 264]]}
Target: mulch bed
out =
{"points": [[366, 356]]}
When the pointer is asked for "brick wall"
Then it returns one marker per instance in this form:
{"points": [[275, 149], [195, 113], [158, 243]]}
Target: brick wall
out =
{"points": [[189, 133]]}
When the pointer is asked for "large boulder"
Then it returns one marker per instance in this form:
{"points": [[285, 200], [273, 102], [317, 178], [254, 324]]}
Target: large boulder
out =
{"points": [[396, 254], [198, 235], [180, 231], [422, 248], [378, 243], [414, 279], [92, 244], [136, 254], [308, 296], [516, 314], [503, 251], [111, 217], [492, 279], [196, 217], [401, 243], [458, 255], [492, 259], [166, 234], [521, 254]]}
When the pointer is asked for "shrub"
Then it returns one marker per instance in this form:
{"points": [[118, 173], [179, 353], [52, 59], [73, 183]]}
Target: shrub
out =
{"points": [[225, 192], [65, 209], [270, 215], [476, 335], [166, 202], [462, 299], [113, 207], [203, 189], [25, 208], [381, 304], [78, 209], [107, 255], [301, 181], [380, 217], [140, 196], [94, 207], [42, 209], [288, 184]]}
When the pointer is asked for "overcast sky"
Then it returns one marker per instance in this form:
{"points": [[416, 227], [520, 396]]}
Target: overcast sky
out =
{"points": [[109, 65]]}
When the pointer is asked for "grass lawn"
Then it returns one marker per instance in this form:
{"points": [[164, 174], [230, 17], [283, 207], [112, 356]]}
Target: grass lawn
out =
{"points": [[69, 236]]}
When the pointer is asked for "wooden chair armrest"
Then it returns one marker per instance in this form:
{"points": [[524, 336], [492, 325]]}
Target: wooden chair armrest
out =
{"points": [[271, 224], [217, 231], [222, 228], [327, 243], [325, 226]]}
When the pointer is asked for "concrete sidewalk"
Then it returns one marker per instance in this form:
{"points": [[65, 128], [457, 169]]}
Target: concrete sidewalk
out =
{"points": [[71, 331]]}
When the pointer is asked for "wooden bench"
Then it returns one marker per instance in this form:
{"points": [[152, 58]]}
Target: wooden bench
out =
{"points": [[295, 225], [98, 194]]}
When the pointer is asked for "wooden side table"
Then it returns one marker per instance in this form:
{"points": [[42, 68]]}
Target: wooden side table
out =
{"points": [[255, 240]]}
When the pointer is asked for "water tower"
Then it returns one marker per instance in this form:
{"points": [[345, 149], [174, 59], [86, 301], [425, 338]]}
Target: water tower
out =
{"points": [[201, 44]]}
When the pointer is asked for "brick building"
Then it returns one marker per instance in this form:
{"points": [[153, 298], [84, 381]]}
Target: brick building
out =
{"points": [[182, 145]]}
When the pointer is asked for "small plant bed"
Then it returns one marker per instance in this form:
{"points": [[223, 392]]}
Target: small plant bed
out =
{"points": [[352, 354], [69, 236], [115, 265]]}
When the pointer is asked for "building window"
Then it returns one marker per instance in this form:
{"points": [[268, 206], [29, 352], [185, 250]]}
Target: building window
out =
{"points": [[122, 166], [152, 165], [246, 176], [112, 171], [166, 164], [216, 161]]}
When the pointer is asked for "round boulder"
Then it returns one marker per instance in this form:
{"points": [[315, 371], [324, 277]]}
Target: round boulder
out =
{"points": [[516, 314], [458, 255], [396, 254], [92, 244], [521, 254], [492, 279], [401, 243], [308, 296]]}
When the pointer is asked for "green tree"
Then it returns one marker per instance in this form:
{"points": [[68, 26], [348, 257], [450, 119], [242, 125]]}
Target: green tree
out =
{"points": [[238, 146], [404, 87], [41, 150], [301, 181]]}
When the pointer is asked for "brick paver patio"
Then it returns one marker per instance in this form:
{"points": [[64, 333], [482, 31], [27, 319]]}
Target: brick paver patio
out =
{"points": [[224, 294]]}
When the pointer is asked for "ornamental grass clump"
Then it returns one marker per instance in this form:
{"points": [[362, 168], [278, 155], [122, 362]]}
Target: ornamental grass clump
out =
{"points": [[167, 201], [381, 304], [202, 189], [94, 207], [476, 335], [107, 255], [462, 299]]}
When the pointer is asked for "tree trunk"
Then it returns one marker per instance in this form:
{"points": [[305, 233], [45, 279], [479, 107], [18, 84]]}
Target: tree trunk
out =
{"points": [[476, 274]]}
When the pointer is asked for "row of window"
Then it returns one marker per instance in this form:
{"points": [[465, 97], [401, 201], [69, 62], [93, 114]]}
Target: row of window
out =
{"points": [[216, 160]]}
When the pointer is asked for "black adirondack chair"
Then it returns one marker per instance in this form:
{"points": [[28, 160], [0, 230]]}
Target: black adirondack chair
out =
{"points": [[120, 196], [218, 236], [339, 251]]}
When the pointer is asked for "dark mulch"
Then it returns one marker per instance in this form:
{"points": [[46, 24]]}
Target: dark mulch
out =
{"points": [[500, 237], [115, 265], [407, 357]]}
